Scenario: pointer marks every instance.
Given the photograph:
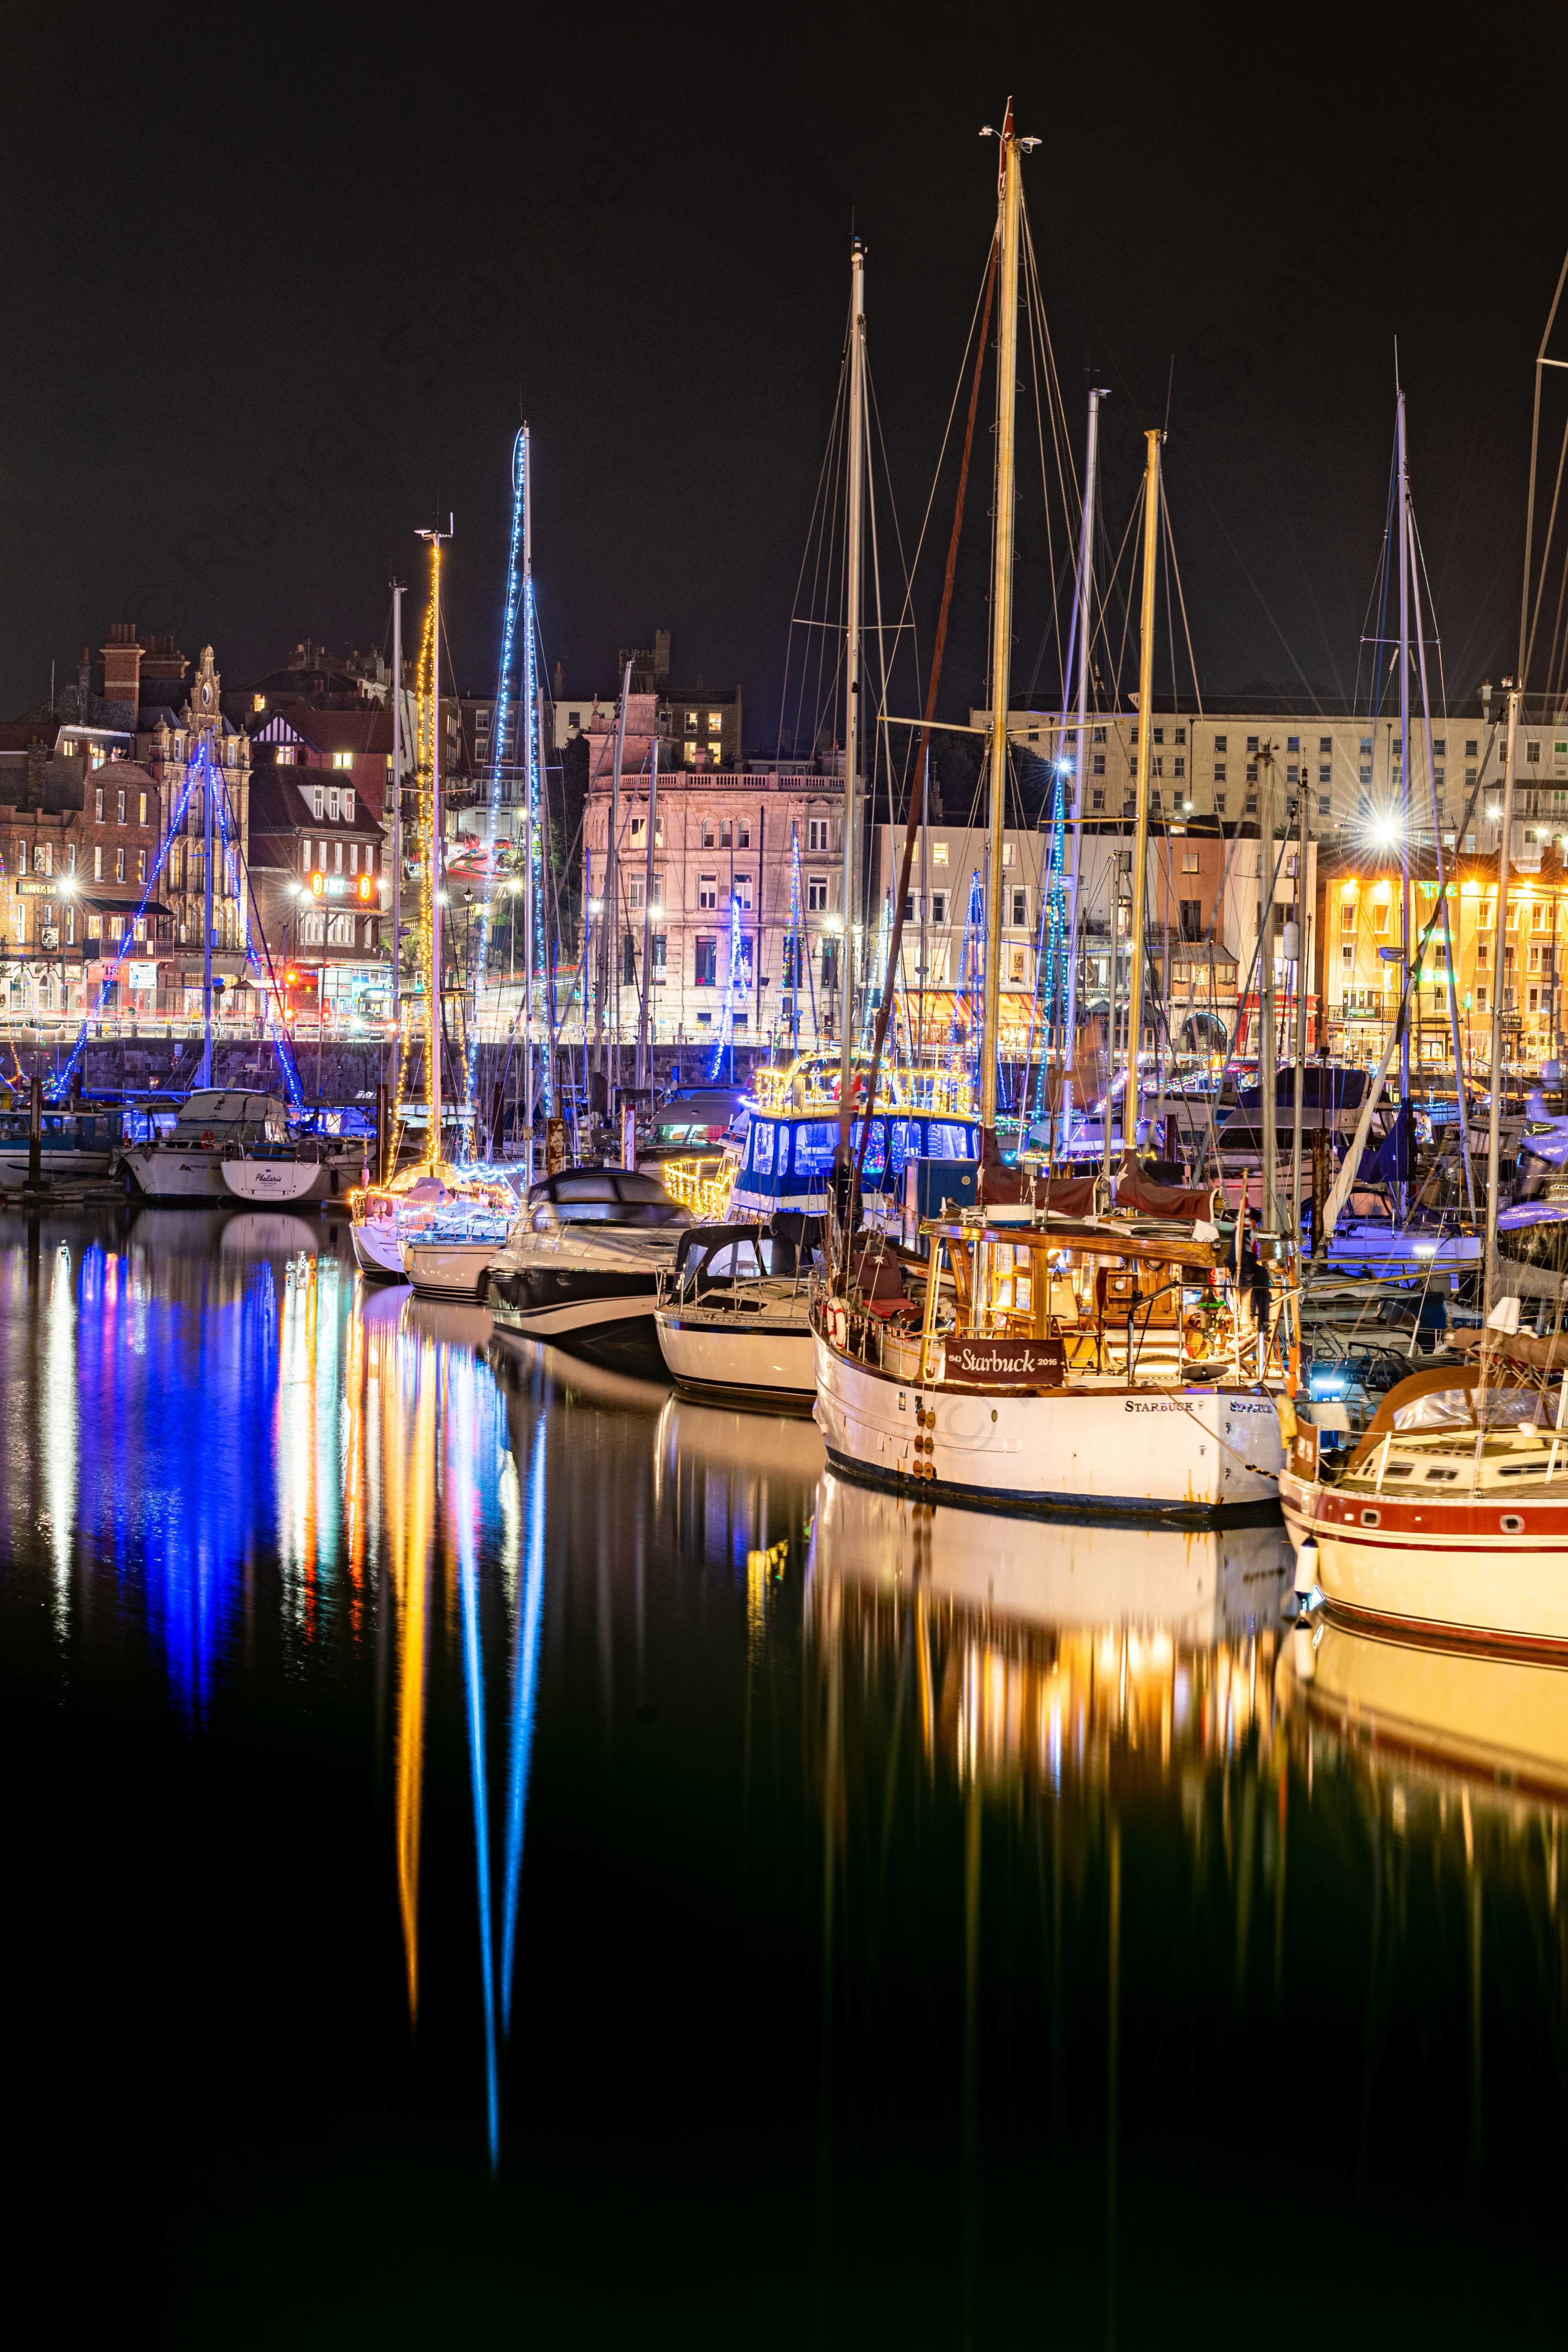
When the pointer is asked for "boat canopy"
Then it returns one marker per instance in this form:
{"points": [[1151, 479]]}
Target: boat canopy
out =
{"points": [[787, 1156]]}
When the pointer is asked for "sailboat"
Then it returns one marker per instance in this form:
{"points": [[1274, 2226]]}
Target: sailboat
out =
{"points": [[1047, 1352], [431, 1198]]}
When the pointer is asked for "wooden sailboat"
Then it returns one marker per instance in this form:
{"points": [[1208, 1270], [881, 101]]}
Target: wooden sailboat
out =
{"points": [[1048, 1351]]}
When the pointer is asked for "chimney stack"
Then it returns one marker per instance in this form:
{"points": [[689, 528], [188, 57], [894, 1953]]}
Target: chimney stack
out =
{"points": [[122, 666], [84, 688]]}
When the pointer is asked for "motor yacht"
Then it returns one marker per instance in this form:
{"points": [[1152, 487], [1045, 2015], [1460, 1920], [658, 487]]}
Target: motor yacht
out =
{"points": [[227, 1144], [734, 1317], [582, 1265]]}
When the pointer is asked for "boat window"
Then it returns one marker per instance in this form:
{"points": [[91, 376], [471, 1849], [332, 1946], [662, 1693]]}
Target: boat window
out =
{"points": [[876, 1158], [584, 1188], [1431, 1474], [1505, 1409], [1399, 1470], [945, 1139], [814, 1146], [643, 1189], [783, 1152], [762, 1149], [544, 1217]]}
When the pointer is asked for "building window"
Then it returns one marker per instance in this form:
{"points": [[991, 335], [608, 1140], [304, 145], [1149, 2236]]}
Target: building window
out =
{"points": [[1096, 798], [285, 755], [1380, 917], [1220, 743], [743, 891], [707, 964], [337, 857], [1192, 919], [1219, 803], [816, 894], [346, 758], [1252, 804], [119, 865], [1179, 766], [1364, 775], [140, 808], [1180, 734], [816, 834], [707, 891], [1097, 767], [1020, 908], [1219, 767], [304, 857], [120, 808], [1347, 955], [1325, 804], [1096, 735], [938, 905], [938, 853], [141, 865], [1532, 753], [98, 862]]}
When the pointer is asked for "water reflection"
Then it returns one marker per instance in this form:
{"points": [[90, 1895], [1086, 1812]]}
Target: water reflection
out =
{"points": [[817, 1824]]}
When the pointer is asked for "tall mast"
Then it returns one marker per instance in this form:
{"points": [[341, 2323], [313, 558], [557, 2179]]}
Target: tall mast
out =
{"points": [[397, 807], [610, 922], [1009, 201], [530, 720], [206, 1076], [1405, 811], [1499, 992], [432, 879], [1141, 827], [644, 1076], [852, 597], [1267, 1031], [1081, 756]]}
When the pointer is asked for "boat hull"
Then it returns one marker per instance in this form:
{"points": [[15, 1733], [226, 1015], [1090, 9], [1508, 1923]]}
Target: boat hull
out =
{"points": [[284, 1181], [377, 1250], [1195, 1456], [771, 1365], [1488, 1571], [618, 1334], [453, 1269], [159, 1174]]}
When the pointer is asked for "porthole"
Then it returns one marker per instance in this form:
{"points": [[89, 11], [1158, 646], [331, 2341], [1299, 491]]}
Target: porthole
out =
{"points": [[1512, 1524], [1370, 1518]]}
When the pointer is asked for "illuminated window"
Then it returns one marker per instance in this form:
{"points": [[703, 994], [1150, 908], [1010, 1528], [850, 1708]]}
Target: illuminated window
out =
{"points": [[258, 702], [1380, 916], [140, 808], [343, 759], [938, 853], [285, 755], [743, 890], [98, 804], [97, 871], [119, 865], [706, 890], [120, 808], [715, 721], [141, 865]]}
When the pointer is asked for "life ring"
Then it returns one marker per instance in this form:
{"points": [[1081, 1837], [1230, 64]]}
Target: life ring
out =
{"points": [[208, 1138], [837, 1324]]}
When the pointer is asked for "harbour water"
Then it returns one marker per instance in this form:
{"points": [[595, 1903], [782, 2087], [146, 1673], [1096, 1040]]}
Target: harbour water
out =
{"points": [[492, 1850]]}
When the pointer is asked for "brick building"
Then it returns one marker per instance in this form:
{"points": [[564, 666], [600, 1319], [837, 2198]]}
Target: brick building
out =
{"points": [[317, 863]]}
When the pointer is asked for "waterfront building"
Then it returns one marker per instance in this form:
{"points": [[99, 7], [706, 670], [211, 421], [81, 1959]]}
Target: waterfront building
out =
{"points": [[354, 745], [729, 843], [317, 862]]}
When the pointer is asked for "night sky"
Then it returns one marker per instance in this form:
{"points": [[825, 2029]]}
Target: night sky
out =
{"points": [[275, 284]]}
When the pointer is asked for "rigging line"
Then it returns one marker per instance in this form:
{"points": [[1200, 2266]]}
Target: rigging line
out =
{"points": [[878, 743], [825, 497], [1181, 598], [1534, 445], [1054, 624], [933, 681], [828, 546], [1241, 566], [1545, 558]]}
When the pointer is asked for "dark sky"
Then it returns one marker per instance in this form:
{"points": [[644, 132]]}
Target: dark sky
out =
{"points": [[275, 281]]}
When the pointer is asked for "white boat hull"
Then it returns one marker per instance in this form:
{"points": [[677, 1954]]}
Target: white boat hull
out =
{"points": [[1193, 1452], [280, 1181], [378, 1249], [451, 1269], [726, 1355]]}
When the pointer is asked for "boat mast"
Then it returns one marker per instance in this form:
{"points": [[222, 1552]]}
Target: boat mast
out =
{"points": [[531, 701], [852, 596], [644, 1074], [1402, 1182], [610, 919], [1499, 970], [1080, 757], [206, 1075], [1009, 198], [432, 879], [1268, 1029], [1141, 827], [396, 809]]}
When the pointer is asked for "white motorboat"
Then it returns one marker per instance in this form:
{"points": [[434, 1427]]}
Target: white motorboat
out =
{"points": [[218, 1128], [733, 1323], [582, 1265], [447, 1250]]}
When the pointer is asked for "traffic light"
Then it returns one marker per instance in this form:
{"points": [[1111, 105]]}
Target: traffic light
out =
{"points": [[362, 887], [317, 883]]}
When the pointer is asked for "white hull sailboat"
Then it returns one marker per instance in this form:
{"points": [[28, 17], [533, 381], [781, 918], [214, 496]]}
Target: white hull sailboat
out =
{"points": [[1046, 1357]]}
